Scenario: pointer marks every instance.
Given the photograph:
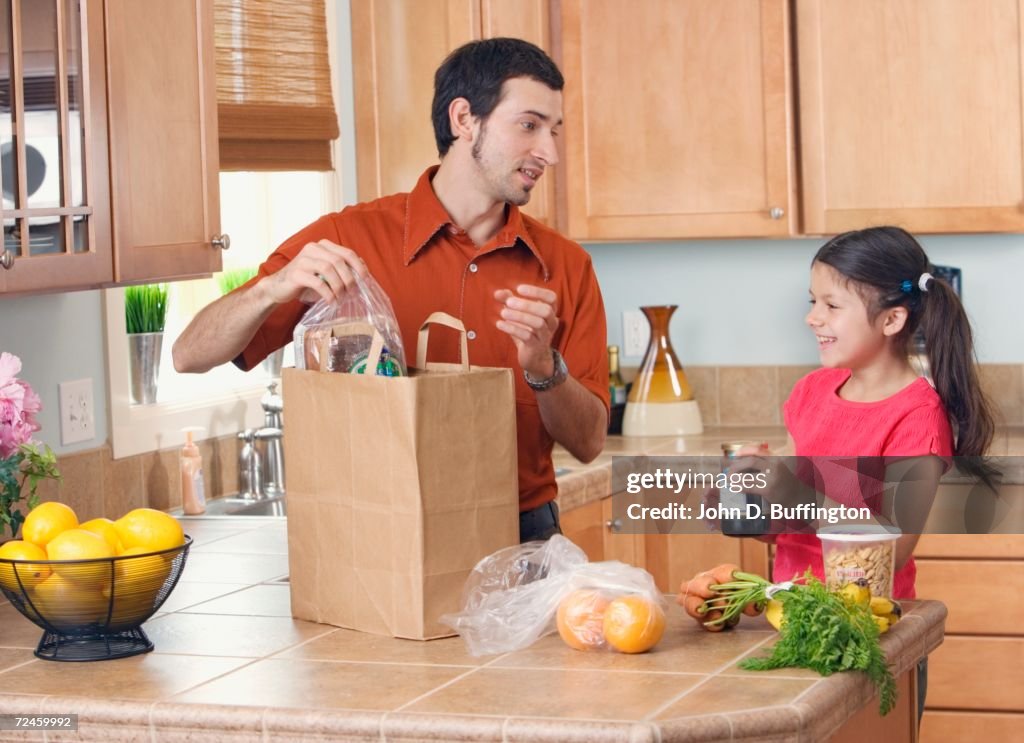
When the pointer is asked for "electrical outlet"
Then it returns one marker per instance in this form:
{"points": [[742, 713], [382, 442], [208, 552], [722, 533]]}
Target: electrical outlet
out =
{"points": [[77, 421], [636, 333]]}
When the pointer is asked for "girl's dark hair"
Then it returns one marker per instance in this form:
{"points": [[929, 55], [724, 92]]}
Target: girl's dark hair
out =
{"points": [[884, 265], [477, 70]]}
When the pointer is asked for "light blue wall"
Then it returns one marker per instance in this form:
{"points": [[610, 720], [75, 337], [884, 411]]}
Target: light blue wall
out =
{"points": [[742, 302], [59, 338]]}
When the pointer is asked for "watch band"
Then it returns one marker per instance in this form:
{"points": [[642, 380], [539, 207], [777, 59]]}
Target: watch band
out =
{"points": [[559, 375]]}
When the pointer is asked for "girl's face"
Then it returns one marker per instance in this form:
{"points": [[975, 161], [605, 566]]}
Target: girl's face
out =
{"points": [[839, 320]]}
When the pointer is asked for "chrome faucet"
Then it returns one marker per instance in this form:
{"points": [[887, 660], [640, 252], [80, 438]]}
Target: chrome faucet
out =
{"points": [[261, 460]]}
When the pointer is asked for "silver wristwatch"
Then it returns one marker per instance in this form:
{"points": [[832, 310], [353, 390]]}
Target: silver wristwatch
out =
{"points": [[559, 375]]}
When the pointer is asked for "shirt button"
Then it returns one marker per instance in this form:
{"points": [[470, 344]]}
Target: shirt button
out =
{"points": [[453, 230], [473, 268], [471, 335]]}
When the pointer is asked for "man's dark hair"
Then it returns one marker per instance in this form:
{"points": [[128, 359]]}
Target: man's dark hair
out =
{"points": [[477, 70]]}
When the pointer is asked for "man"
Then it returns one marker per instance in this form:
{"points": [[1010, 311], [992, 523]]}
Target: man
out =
{"points": [[457, 243]]}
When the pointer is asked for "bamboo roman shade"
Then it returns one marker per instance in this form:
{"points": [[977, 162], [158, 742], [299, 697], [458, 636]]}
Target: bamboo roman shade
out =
{"points": [[273, 85]]}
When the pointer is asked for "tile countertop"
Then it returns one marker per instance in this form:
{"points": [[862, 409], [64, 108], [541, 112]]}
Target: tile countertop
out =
{"points": [[231, 664], [579, 484]]}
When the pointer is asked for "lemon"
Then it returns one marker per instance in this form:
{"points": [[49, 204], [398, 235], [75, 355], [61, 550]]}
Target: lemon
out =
{"points": [[46, 521], [28, 574], [104, 528], [66, 603], [150, 529], [79, 544], [137, 583]]}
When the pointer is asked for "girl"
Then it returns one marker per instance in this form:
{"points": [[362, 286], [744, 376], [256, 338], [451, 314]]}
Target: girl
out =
{"points": [[870, 291]]}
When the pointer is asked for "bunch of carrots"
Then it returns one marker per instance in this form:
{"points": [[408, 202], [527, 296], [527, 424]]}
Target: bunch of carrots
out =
{"points": [[716, 598]]}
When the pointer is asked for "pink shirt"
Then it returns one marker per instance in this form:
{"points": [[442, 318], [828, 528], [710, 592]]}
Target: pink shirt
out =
{"points": [[913, 422]]}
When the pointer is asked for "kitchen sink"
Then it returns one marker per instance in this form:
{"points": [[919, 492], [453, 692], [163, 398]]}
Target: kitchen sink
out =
{"points": [[232, 506]]}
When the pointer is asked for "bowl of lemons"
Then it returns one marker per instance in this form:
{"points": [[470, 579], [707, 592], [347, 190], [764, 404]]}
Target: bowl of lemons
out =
{"points": [[91, 585]]}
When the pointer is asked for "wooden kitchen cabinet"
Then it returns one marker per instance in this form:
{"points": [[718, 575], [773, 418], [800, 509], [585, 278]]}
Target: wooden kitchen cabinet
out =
{"points": [[396, 47], [911, 114], [677, 119], [164, 165], [594, 529], [975, 676], [53, 129], [671, 558], [133, 126]]}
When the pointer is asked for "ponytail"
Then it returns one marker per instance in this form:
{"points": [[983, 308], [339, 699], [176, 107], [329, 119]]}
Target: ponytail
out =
{"points": [[890, 269], [950, 346]]}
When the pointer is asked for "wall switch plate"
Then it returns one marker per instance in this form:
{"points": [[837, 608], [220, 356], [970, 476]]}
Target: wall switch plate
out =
{"points": [[636, 333], [77, 421]]}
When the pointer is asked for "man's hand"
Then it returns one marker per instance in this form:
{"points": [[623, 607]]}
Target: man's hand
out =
{"points": [[528, 317], [321, 270]]}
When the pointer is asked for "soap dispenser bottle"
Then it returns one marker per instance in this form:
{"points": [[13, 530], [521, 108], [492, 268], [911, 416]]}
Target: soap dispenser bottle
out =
{"points": [[193, 495]]}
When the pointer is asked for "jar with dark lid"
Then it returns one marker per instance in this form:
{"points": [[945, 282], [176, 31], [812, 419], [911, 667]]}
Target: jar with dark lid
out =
{"points": [[741, 514]]}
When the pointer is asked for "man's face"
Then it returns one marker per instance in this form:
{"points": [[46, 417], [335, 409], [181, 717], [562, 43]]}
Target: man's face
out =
{"points": [[517, 141]]}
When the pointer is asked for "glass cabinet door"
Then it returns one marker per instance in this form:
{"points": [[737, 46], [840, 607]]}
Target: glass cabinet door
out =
{"points": [[53, 150]]}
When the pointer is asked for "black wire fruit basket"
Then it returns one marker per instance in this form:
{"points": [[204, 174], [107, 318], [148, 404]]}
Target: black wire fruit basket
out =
{"points": [[93, 609]]}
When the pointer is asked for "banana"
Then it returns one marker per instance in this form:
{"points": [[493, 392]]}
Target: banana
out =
{"points": [[882, 622], [857, 593], [882, 607], [773, 613]]}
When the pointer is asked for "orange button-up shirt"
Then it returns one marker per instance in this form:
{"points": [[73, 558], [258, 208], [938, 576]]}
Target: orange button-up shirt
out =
{"points": [[425, 263]]}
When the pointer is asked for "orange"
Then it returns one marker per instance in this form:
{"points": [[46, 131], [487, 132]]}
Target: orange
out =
{"points": [[104, 528], [580, 618], [28, 574], [150, 529], [46, 521], [633, 624]]}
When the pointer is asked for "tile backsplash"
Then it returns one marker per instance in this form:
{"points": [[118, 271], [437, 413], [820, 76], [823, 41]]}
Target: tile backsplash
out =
{"points": [[95, 484]]}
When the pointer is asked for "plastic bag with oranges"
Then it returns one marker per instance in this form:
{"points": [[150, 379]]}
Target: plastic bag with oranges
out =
{"points": [[522, 593]]}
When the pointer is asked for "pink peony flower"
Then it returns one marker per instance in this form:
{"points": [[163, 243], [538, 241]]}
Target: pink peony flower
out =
{"points": [[18, 407]]}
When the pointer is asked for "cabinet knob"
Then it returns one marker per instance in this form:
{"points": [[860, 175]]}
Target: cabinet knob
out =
{"points": [[777, 212], [221, 241], [614, 526], [7, 259]]}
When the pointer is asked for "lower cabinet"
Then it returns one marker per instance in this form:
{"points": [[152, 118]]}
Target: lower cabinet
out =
{"points": [[670, 558], [975, 677]]}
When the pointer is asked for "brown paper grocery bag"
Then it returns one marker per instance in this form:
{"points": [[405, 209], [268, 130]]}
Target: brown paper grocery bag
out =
{"points": [[396, 487]]}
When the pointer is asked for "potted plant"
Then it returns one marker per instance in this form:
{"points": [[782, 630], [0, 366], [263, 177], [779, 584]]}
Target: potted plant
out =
{"points": [[23, 463], [145, 311]]}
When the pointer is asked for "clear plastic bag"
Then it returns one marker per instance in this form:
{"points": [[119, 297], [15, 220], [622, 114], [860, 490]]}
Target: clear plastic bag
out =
{"points": [[513, 597], [365, 304]]}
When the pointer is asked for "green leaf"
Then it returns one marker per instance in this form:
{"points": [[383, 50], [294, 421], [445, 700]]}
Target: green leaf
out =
{"points": [[824, 633], [145, 308], [230, 280]]}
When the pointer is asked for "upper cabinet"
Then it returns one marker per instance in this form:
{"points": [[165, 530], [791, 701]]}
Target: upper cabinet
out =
{"points": [[164, 175], [748, 118], [911, 113], [109, 145], [677, 119], [53, 145], [396, 47]]}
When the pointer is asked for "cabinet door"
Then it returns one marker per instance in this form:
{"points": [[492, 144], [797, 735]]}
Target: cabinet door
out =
{"points": [[396, 46], [163, 138], [53, 136], [677, 120], [911, 114]]}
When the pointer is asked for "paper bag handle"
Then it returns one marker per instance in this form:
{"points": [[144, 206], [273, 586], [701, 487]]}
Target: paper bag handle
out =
{"points": [[441, 318], [342, 330]]}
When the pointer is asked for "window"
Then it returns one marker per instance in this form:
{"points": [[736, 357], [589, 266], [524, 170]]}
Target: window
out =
{"points": [[258, 210]]}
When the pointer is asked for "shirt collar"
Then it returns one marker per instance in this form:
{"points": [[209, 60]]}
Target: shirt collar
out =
{"points": [[425, 217]]}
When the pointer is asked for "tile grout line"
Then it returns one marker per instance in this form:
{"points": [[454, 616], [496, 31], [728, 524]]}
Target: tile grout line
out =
{"points": [[650, 716]]}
